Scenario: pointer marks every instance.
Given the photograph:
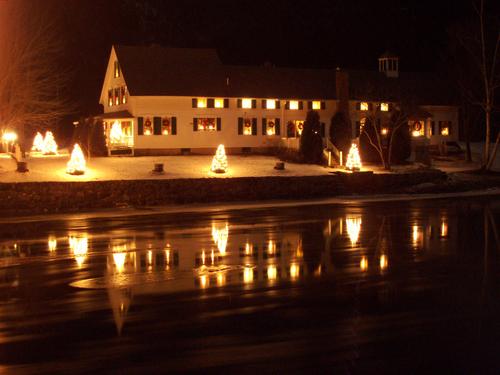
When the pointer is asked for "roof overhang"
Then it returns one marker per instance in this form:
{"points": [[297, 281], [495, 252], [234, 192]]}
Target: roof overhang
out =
{"points": [[115, 115]]}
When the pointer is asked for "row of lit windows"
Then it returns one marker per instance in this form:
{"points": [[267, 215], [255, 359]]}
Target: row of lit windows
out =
{"points": [[117, 96], [365, 106], [417, 128], [246, 126], [248, 103]]}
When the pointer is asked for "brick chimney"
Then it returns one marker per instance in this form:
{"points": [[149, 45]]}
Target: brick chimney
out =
{"points": [[342, 91]]}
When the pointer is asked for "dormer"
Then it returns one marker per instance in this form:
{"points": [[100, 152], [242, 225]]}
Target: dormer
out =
{"points": [[388, 63]]}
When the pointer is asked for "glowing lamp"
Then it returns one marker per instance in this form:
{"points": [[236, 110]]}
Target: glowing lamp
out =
{"points": [[37, 142], [76, 164], [415, 133], [9, 137], [219, 162], [384, 131], [353, 162]]}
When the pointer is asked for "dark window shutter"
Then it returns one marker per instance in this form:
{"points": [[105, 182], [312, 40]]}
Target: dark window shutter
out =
{"points": [[287, 104], [254, 103], [195, 124], [301, 105], [140, 125], [264, 126], [277, 126], [210, 102], [278, 104], [323, 105], [370, 106], [358, 106], [238, 102], [254, 126], [174, 125], [322, 131], [390, 106], [309, 105], [194, 102], [358, 125], [157, 125], [449, 127], [219, 124], [264, 105], [226, 103], [240, 125]]}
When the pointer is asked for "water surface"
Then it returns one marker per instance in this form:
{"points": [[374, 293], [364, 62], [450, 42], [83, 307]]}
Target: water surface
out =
{"points": [[406, 287]]}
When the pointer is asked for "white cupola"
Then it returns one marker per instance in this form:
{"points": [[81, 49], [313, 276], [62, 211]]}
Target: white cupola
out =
{"points": [[388, 63]]}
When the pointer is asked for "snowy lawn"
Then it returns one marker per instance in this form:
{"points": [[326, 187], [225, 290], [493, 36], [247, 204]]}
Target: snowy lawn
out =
{"points": [[53, 168]]}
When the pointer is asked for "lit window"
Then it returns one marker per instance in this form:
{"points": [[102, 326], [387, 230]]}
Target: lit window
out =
{"points": [[417, 128], [294, 104], [117, 96], [294, 128], [271, 127], [247, 126], [363, 106], [206, 124], [316, 104], [110, 98], [117, 69], [120, 134], [148, 127], [246, 103], [444, 127], [219, 103], [384, 107], [123, 95], [271, 104], [201, 103], [165, 126]]}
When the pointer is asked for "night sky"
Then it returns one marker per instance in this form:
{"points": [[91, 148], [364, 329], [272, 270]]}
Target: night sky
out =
{"points": [[349, 34]]}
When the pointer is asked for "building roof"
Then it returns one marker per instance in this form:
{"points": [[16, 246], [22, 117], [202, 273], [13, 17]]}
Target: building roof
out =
{"points": [[158, 71], [161, 71], [420, 88], [115, 115]]}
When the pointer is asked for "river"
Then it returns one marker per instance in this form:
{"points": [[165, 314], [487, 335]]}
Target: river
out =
{"points": [[383, 287]]}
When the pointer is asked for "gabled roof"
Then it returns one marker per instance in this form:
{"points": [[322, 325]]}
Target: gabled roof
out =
{"points": [[161, 71], [158, 71]]}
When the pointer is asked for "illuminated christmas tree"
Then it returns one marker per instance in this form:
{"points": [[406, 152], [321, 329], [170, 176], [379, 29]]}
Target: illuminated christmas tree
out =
{"points": [[219, 162], [353, 159], [37, 142], [49, 144], [76, 164]]}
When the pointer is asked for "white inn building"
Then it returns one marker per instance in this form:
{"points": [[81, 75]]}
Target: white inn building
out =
{"points": [[167, 101]]}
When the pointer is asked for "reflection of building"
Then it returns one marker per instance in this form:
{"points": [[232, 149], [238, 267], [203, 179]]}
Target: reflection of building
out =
{"points": [[173, 100]]}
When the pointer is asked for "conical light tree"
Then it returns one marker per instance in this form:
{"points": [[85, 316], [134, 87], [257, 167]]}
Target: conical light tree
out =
{"points": [[353, 159], [219, 162], [49, 144], [37, 142], [76, 164]]}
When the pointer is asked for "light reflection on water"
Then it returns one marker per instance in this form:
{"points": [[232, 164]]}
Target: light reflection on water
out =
{"points": [[157, 259]]}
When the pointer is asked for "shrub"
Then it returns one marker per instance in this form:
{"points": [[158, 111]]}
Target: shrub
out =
{"points": [[341, 132], [311, 143], [401, 145]]}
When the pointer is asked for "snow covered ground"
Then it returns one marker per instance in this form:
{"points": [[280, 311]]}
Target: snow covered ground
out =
{"points": [[53, 168]]}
